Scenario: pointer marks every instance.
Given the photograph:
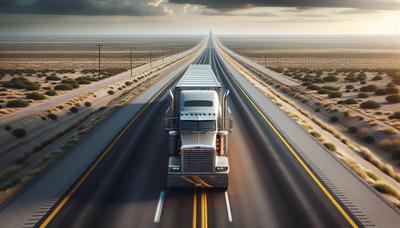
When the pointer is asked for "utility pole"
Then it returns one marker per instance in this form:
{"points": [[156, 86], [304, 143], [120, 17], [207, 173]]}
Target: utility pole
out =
{"points": [[150, 57], [130, 55], [99, 45], [265, 60]]}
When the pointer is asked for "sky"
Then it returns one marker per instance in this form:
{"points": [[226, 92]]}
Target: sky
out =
{"points": [[261, 17]]}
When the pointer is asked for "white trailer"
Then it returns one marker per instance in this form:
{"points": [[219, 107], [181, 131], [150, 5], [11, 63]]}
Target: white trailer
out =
{"points": [[198, 124]]}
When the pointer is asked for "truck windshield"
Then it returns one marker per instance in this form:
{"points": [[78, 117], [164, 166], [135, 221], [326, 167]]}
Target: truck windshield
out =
{"points": [[189, 125], [198, 103]]}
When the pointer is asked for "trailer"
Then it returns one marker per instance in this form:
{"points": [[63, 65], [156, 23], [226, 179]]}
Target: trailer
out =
{"points": [[198, 123]]}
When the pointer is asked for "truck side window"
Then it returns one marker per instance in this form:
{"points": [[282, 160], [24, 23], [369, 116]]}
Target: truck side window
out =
{"points": [[198, 103]]}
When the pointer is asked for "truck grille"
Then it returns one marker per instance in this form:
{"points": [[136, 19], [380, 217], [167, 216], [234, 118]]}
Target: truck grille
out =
{"points": [[196, 161]]}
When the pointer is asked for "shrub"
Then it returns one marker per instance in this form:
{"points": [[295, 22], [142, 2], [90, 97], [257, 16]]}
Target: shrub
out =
{"points": [[323, 91], [369, 139], [369, 105], [53, 78], [396, 154], [363, 95], [19, 83], [87, 104], [368, 88], [127, 83], [333, 119], [110, 92], [333, 88], [17, 103], [35, 96], [391, 90], [377, 78], [334, 94], [51, 93], [315, 134], [330, 78], [69, 81], [19, 132], [7, 127], [32, 87], [395, 115], [350, 101], [74, 109], [352, 130], [52, 116], [330, 146], [394, 98], [349, 86], [63, 87], [380, 92], [84, 81]]}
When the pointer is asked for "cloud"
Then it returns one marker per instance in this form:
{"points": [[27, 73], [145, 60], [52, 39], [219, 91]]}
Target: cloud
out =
{"points": [[247, 14], [358, 11], [229, 5], [85, 7]]}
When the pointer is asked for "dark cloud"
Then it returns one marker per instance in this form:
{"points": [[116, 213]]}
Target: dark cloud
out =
{"points": [[229, 5], [81, 7]]}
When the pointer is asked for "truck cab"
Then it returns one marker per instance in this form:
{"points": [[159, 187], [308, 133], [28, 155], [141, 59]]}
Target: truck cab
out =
{"points": [[198, 124]]}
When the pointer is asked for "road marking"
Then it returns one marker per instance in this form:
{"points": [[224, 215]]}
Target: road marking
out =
{"points": [[300, 160], [194, 220], [204, 217], [228, 206], [92, 167], [160, 204]]}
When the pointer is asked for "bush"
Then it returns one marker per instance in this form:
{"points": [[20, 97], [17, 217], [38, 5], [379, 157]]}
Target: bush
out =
{"points": [[52, 116], [32, 87], [394, 98], [315, 134], [19, 83], [330, 146], [350, 101], [110, 92], [53, 78], [363, 95], [352, 130], [369, 105], [391, 90], [127, 83], [334, 94], [333, 88], [7, 127], [368, 88], [330, 78], [51, 93], [333, 119], [380, 92], [350, 86], [323, 91], [17, 103], [87, 104], [74, 109], [63, 87], [396, 154], [395, 115], [377, 78], [84, 81], [19, 132], [69, 81], [35, 96], [369, 139]]}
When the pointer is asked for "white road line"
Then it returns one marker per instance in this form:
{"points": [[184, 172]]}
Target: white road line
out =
{"points": [[228, 206], [157, 216]]}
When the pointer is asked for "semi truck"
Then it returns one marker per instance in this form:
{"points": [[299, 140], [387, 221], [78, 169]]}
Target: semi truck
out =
{"points": [[198, 122]]}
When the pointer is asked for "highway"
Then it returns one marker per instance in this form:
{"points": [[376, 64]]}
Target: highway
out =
{"points": [[268, 187]]}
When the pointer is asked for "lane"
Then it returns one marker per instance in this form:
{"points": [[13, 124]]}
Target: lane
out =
{"points": [[268, 188], [125, 187]]}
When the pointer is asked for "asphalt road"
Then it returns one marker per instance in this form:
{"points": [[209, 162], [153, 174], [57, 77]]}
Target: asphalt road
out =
{"points": [[268, 188]]}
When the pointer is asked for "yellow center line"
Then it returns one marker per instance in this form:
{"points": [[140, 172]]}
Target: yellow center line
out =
{"points": [[204, 218], [194, 220], [299, 159]]}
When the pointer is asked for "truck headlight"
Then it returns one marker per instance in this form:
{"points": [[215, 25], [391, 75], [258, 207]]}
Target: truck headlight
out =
{"points": [[221, 168], [174, 168]]}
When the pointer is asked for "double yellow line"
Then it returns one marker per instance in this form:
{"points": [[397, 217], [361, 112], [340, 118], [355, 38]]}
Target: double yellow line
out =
{"points": [[342, 211], [204, 212]]}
